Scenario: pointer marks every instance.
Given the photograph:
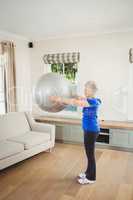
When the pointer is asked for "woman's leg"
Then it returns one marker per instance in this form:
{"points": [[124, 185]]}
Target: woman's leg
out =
{"points": [[89, 142]]}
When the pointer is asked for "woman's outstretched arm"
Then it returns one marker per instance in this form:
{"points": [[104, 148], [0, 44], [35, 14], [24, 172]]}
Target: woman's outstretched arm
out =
{"points": [[82, 102]]}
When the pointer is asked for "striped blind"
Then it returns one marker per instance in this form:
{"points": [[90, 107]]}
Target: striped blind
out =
{"points": [[61, 58]]}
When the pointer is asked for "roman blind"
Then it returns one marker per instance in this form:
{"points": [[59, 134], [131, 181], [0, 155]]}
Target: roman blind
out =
{"points": [[73, 57]]}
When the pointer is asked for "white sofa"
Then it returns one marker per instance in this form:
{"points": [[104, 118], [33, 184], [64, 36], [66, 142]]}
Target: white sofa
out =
{"points": [[21, 137]]}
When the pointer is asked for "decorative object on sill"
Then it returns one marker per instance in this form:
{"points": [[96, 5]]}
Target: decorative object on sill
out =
{"points": [[131, 55]]}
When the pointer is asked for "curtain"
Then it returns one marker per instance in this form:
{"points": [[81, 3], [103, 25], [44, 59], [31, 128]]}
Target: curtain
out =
{"points": [[8, 50], [73, 57]]}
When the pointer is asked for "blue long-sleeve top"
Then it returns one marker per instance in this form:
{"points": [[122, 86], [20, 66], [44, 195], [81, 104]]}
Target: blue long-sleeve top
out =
{"points": [[90, 121]]}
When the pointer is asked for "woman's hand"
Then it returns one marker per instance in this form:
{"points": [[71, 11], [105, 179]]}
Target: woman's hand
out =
{"points": [[55, 99]]}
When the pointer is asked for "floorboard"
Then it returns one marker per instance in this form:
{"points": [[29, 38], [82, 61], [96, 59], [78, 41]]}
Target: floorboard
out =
{"points": [[53, 175]]}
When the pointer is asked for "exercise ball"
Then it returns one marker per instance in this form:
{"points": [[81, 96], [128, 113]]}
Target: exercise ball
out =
{"points": [[51, 84]]}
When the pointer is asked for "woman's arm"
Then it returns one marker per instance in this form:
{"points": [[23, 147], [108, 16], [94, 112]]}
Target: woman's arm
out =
{"points": [[81, 98], [70, 101]]}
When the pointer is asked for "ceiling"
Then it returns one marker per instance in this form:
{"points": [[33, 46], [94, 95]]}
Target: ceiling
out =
{"points": [[41, 19]]}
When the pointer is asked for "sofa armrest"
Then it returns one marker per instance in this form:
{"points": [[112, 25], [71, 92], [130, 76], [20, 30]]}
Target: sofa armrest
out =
{"points": [[48, 128], [41, 127]]}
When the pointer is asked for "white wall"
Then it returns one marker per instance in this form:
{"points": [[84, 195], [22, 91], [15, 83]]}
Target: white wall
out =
{"points": [[104, 58], [23, 71]]}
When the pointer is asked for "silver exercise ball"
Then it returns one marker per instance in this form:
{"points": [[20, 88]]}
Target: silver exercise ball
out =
{"points": [[51, 84]]}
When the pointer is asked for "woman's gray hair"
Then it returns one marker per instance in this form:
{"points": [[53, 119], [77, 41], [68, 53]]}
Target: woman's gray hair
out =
{"points": [[92, 85]]}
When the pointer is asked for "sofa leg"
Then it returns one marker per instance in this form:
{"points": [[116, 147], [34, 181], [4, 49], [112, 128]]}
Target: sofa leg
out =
{"points": [[49, 150]]}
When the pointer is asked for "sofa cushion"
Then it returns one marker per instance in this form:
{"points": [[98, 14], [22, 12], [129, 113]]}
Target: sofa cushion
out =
{"points": [[31, 139], [13, 124], [8, 148]]}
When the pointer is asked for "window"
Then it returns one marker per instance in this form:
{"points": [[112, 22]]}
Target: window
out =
{"points": [[2, 93], [69, 70], [66, 64]]}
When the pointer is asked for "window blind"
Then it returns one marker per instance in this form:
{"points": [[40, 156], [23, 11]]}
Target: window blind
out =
{"points": [[73, 57]]}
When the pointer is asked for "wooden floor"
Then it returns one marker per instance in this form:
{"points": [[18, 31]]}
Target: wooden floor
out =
{"points": [[52, 176]]}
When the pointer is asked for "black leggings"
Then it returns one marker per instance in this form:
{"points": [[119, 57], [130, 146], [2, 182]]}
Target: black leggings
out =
{"points": [[89, 143]]}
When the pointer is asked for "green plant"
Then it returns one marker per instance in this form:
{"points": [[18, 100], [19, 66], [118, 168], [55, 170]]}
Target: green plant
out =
{"points": [[57, 68], [69, 69]]}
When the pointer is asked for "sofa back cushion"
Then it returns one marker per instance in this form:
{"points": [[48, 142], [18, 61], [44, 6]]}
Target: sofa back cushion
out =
{"points": [[13, 124]]}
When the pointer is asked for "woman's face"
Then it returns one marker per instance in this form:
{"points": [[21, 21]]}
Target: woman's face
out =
{"points": [[88, 91]]}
